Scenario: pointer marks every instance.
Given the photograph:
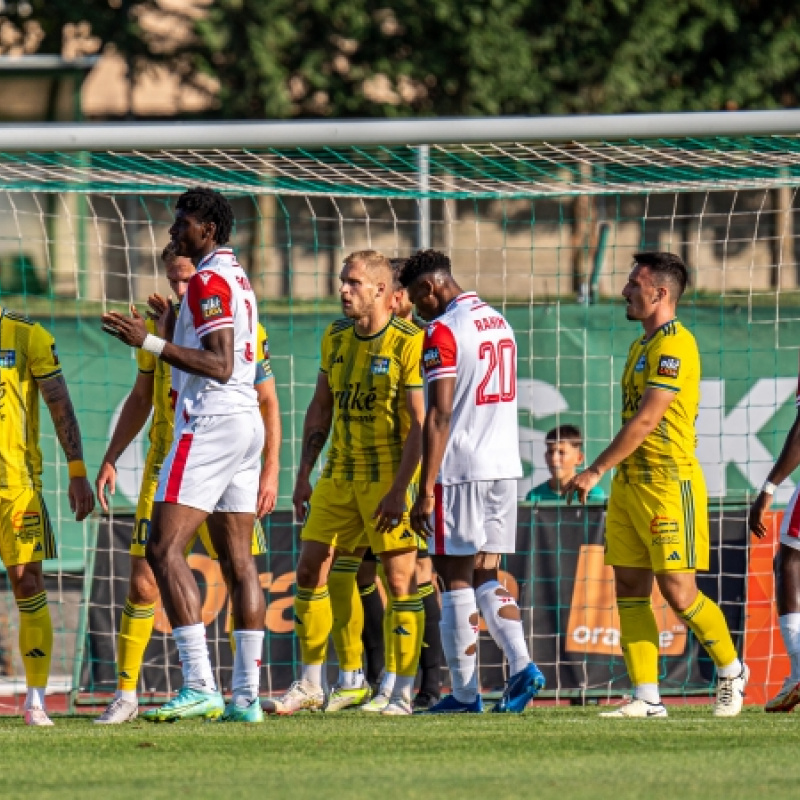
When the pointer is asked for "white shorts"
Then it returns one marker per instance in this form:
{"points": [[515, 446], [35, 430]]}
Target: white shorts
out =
{"points": [[475, 517], [214, 463], [790, 525]]}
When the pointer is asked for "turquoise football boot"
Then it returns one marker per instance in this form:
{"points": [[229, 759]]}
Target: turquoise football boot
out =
{"points": [[188, 704], [252, 713]]}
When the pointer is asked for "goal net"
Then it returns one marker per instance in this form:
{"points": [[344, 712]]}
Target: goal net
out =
{"points": [[546, 232]]}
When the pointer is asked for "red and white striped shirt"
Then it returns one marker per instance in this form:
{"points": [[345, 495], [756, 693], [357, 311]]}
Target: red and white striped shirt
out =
{"points": [[219, 296], [473, 343]]}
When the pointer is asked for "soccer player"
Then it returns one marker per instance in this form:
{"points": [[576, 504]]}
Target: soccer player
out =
{"points": [[369, 383], [29, 365], [212, 472], [377, 621], [563, 455], [787, 563], [151, 392], [467, 497], [657, 521]]}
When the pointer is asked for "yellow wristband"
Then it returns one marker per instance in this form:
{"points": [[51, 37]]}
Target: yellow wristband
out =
{"points": [[77, 469]]}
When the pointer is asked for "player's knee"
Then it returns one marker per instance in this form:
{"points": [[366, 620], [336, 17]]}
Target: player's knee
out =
{"points": [[401, 585], [309, 573], [28, 580], [679, 596]]}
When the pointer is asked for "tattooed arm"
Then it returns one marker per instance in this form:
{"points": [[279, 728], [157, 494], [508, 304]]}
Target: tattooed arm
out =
{"points": [[316, 428], [56, 395]]}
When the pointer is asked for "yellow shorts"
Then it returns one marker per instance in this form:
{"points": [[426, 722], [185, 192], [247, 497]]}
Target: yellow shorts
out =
{"points": [[26, 535], [144, 512], [658, 526], [340, 515]]}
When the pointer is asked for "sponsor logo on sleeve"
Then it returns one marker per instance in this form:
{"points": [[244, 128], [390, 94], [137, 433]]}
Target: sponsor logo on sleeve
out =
{"points": [[8, 359], [432, 358], [379, 365], [669, 366], [54, 351], [211, 307], [265, 349], [640, 364]]}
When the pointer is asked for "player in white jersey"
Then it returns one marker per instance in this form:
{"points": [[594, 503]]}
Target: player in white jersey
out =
{"points": [[787, 562], [467, 497], [212, 471]]}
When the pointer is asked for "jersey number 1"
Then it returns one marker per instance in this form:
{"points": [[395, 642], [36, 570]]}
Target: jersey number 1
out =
{"points": [[502, 357]]}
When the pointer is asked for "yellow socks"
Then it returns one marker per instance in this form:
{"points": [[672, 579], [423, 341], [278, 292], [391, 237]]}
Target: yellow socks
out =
{"points": [[348, 612], [35, 639], [708, 624], [135, 630], [639, 639], [313, 620], [408, 625]]}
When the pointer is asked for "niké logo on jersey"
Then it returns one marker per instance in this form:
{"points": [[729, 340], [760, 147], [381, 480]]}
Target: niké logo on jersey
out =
{"points": [[669, 366], [353, 399], [211, 307]]}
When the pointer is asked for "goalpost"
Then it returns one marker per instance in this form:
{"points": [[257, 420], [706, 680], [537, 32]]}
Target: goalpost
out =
{"points": [[541, 216]]}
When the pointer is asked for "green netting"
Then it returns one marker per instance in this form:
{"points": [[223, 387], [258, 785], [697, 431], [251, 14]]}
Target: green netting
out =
{"points": [[546, 232], [498, 170]]}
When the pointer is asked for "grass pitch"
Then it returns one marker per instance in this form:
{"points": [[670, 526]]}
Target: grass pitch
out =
{"points": [[545, 753]]}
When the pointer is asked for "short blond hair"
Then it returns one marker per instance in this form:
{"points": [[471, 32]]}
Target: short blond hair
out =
{"points": [[371, 259], [168, 253]]}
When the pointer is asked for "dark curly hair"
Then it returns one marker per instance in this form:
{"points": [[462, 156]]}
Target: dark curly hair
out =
{"points": [[397, 265], [206, 205], [424, 262]]}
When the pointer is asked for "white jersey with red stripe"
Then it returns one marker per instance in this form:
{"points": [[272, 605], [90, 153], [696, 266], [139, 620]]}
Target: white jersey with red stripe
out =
{"points": [[473, 343], [219, 296]]}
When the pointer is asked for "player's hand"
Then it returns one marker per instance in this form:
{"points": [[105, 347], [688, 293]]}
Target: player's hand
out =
{"points": [[755, 521], [390, 510], [162, 312], [106, 478], [81, 498], [132, 330], [422, 515], [581, 484], [300, 498], [267, 492]]}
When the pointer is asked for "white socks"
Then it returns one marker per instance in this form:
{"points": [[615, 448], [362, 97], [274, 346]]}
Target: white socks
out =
{"points": [[403, 686], [506, 631], [247, 666], [35, 697], [129, 695], [459, 628], [387, 683], [790, 633], [647, 692], [312, 674], [193, 654], [351, 678]]}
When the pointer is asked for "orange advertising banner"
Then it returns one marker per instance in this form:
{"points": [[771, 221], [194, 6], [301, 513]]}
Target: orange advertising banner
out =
{"points": [[763, 646]]}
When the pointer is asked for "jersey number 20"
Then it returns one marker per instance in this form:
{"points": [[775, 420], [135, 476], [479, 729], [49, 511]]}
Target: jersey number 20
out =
{"points": [[501, 357]]}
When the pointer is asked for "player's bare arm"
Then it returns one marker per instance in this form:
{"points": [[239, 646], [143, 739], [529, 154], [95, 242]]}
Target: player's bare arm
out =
{"points": [[654, 405], [56, 395], [271, 414], [392, 506], [316, 428], [214, 360], [787, 462], [435, 432], [132, 418]]}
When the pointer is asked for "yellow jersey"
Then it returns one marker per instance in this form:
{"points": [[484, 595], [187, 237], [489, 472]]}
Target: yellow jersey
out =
{"points": [[668, 360], [162, 426], [369, 378], [27, 355]]}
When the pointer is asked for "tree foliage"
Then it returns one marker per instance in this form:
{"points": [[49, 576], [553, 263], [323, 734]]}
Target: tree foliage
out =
{"points": [[364, 58]]}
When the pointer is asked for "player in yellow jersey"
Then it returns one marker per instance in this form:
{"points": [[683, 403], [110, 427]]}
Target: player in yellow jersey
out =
{"points": [[369, 378], [657, 522], [29, 366], [151, 392]]}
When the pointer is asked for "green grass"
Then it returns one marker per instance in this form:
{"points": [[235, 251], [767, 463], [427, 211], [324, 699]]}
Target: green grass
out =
{"points": [[545, 753]]}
